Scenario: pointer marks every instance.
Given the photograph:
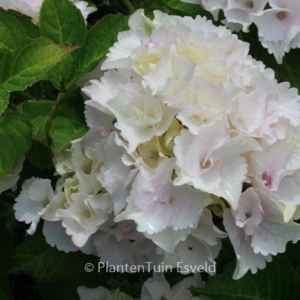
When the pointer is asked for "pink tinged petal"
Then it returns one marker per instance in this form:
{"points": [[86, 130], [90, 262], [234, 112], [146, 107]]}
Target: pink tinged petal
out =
{"points": [[269, 165], [246, 258], [276, 24], [238, 11], [156, 204]]}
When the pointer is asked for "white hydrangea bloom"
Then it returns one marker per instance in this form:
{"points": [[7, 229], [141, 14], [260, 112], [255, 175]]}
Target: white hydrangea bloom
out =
{"points": [[32, 8], [239, 11], [98, 176], [158, 288], [101, 293], [153, 289], [279, 26], [224, 111], [195, 119], [84, 205]]}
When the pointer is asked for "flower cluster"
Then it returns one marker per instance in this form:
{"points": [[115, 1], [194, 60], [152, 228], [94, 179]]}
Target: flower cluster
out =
{"points": [[184, 124], [152, 289], [32, 8], [278, 25]]}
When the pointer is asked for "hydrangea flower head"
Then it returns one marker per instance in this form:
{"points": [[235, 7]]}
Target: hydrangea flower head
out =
{"points": [[31, 8], [181, 119]]}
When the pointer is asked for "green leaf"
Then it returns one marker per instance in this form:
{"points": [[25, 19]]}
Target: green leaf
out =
{"points": [[187, 9], [68, 122], [62, 290], [151, 5], [38, 113], [292, 254], [62, 22], [276, 282], [6, 249], [40, 156], [14, 27], [7, 213], [290, 68], [4, 99], [15, 139], [5, 293], [63, 74], [29, 62], [100, 38], [40, 90], [35, 257]]}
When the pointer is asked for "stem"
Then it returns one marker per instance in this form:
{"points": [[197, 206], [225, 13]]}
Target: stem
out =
{"points": [[129, 5]]}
